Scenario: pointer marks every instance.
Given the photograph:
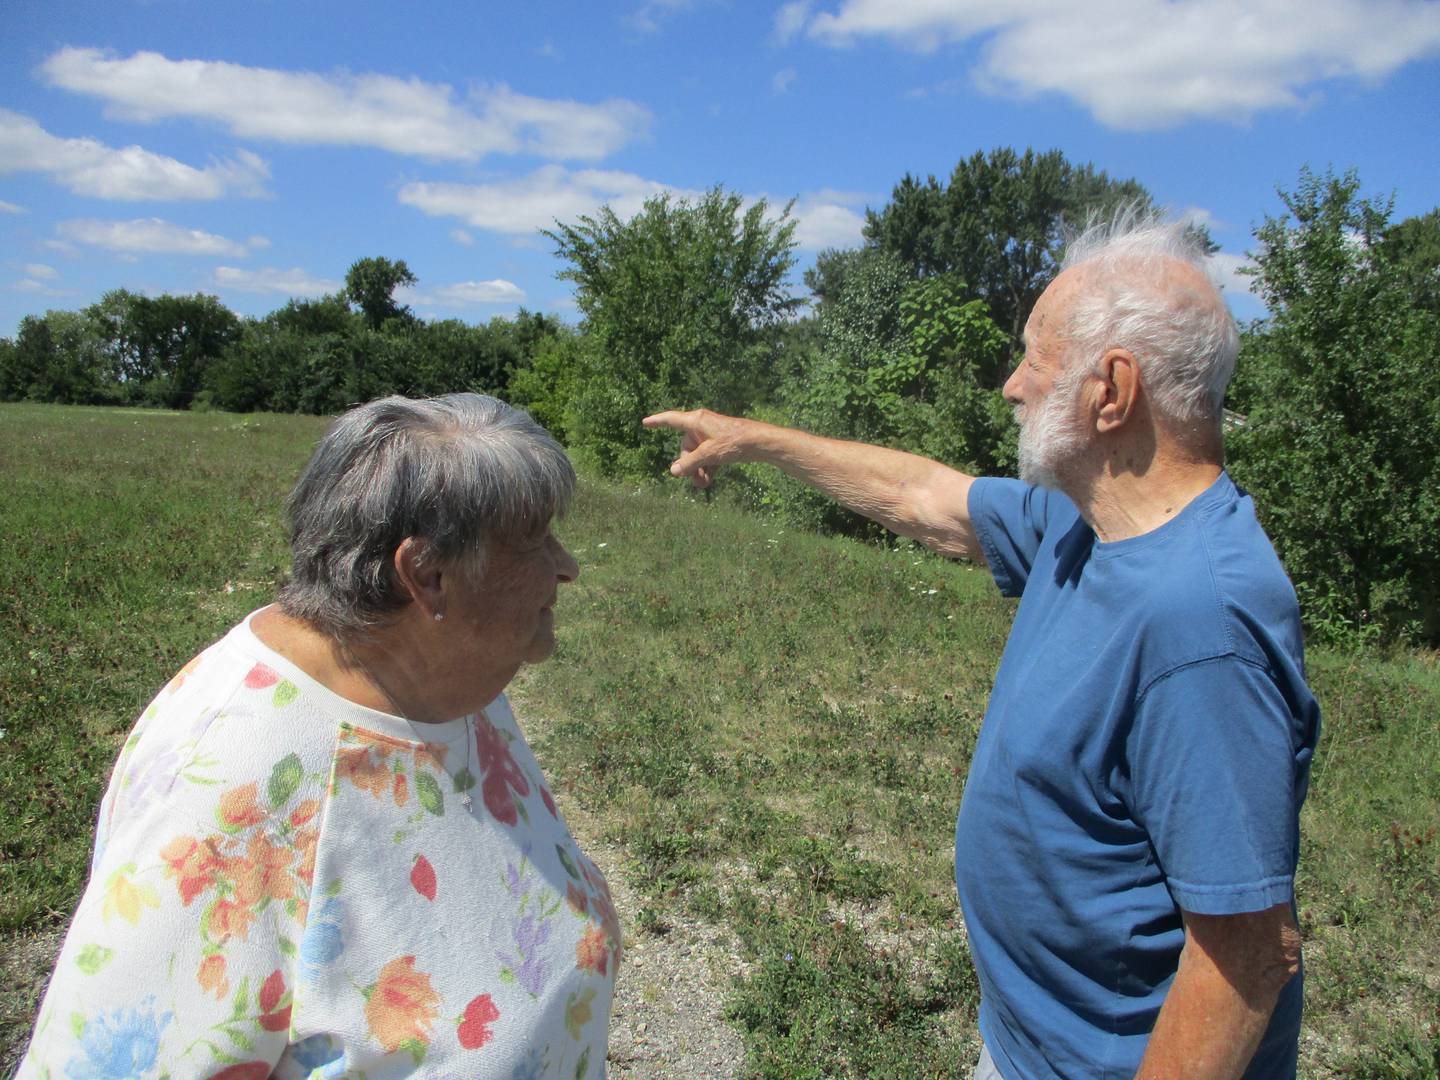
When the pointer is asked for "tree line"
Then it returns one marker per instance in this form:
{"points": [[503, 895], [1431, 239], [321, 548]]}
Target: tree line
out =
{"points": [[904, 341]]}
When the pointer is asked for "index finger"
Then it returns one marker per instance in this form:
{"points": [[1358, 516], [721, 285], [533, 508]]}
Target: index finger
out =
{"points": [[670, 418]]}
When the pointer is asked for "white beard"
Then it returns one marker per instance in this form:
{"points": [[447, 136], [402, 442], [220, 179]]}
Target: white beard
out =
{"points": [[1052, 434]]}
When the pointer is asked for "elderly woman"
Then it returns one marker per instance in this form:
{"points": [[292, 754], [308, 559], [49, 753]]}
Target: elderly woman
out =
{"points": [[326, 849]]}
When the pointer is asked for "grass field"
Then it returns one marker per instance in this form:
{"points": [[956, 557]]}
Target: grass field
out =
{"points": [[775, 727]]}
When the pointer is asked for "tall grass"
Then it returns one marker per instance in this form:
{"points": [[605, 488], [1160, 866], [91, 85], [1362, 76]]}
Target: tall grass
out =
{"points": [[775, 727]]}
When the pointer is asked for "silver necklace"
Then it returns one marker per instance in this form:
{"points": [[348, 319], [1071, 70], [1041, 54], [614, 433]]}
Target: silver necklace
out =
{"points": [[465, 799]]}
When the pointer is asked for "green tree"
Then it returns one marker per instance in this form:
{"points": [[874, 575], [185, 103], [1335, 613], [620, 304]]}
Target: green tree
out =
{"points": [[452, 355], [899, 362], [11, 383], [161, 347], [370, 285], [1414, 246], [1343, 419], [681, 301], [33, 357], [58, 357], [548, 382], [999, 224], [324, 315], [115, 316]]}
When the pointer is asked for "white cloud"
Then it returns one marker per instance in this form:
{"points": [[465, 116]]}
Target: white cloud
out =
{"points": [[405, 116], [41, 271], [89, 167], [1225, 270], [460, 236], [521, 206], [827, 224], [649, 15], [292, 282], [944, 88], [497, 291], [790, 20], [146, 236], [10, 208], [783, 79], [1198, 215], [1204, 59]]}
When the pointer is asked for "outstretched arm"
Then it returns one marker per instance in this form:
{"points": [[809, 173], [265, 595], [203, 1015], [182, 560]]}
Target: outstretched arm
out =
{"points": [[910, 495]]}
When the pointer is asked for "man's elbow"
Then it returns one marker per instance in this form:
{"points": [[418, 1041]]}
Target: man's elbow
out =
{"points": [[1284, 959], [1257, 953]]}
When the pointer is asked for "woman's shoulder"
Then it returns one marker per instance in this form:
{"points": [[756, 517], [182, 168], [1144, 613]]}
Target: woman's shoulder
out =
{"points": [[231, 728]]}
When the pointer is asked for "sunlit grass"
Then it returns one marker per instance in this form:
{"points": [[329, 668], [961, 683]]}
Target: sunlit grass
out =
{"points": [[775, 727]]}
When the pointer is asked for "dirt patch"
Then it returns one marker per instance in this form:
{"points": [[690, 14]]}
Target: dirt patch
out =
{"points": [[25, 964], [671, 989]]}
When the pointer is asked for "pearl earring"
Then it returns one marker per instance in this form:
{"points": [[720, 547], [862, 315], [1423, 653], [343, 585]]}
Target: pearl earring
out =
{"points": [[439, 615]]}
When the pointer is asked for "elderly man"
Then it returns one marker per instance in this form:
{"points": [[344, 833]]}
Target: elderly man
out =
{"points": [[1127, 841]]}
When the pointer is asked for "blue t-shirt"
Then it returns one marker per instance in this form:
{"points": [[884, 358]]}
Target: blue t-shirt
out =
{"points": [[1146, 748]]}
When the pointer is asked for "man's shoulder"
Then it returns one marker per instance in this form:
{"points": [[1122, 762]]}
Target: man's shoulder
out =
{"points": [[1222, 590]]}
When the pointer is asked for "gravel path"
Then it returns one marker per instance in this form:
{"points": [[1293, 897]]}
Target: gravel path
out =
{"points": [[671, 987]]}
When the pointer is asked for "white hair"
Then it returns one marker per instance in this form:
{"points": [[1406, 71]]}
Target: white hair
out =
{"points": [[1176, 325]]}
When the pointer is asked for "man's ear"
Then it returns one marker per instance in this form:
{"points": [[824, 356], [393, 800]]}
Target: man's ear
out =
{"points": [[420, 575], [1119, 379]]}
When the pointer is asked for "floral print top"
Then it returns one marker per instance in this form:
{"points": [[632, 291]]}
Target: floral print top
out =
{"points": [[288, 884]]}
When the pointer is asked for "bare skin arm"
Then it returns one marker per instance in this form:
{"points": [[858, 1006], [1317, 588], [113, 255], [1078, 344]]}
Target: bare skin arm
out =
{"points": [[1231, 972], [910, 495]]}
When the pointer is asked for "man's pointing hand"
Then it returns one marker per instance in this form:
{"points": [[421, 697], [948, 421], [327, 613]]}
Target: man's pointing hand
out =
{"points": [[710, 442]]}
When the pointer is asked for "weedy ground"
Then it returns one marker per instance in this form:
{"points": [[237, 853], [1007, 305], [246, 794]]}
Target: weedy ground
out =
{"points": [[775, 727]]}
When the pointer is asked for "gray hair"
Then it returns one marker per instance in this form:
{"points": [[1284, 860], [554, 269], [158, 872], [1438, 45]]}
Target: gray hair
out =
{"points": [[460, 471], [1182, 333]]}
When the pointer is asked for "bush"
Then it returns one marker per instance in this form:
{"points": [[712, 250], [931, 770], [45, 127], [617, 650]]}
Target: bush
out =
{"points": [[900, 363], [1342, 394], [680, 302]]}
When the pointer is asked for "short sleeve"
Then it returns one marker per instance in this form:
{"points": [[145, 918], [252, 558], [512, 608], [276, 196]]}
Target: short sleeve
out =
{"points": [[149, 975], [1011, 519], [1213, 772]]}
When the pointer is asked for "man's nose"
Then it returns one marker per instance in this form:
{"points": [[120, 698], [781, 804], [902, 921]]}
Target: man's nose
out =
{"points": [[1011, 390]]}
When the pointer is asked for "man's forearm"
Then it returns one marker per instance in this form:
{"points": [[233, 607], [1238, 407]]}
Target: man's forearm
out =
{"points": [[1231, 972], [1206, 1030], [908, 494]]}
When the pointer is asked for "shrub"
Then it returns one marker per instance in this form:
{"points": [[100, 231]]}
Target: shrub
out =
{"points": [[1342, 394]]}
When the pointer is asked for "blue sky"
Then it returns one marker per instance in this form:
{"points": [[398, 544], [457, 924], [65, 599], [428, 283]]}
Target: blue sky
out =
{"points": [[254, 150]]}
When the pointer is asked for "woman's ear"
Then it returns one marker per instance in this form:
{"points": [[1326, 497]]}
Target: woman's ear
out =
{"points": [[419, 574]]}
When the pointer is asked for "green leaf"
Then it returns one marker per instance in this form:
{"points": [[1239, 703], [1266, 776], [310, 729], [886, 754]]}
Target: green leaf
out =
{"points": [[287, 946], [285, 778], [429, 792], [77, 1024], [92, 958], [242, 1000], [463, 780], [416, 1048], [507, 976], [285, 692], [583, 1065], [567, 862], [240, 1039]]}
